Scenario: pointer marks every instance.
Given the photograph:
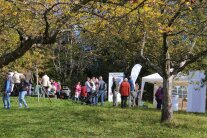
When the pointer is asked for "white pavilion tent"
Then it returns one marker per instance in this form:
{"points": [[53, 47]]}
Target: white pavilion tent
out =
{"points": [[157, 80]]}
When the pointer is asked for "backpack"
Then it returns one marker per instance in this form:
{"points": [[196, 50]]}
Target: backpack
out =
{"points": [[24, 86]]}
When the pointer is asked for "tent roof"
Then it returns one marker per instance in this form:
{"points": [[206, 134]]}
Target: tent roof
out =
{"points": [[153, 78], [179, 80]]}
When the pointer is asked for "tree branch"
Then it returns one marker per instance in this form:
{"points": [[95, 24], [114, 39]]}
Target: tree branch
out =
{"points": [[25, 45], [190, 60], [176, 33], [174, 17], [147, 60], [27, 42]]}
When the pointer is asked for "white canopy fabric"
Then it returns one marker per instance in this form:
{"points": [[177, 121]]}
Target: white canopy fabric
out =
{"points": [[153, 78], [179, 80]]}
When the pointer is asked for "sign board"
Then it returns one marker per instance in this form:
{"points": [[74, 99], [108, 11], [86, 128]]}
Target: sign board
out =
{"points": [[196, 92]]}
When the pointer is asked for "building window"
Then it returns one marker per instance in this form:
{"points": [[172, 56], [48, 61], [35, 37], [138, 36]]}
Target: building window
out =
{"points": [[181, 91]]}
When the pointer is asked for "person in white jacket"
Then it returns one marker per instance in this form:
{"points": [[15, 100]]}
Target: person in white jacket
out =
{"points": [[45, 82], [16, 80]]}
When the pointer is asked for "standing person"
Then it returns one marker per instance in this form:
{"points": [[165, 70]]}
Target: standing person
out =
{"points": [[114, 89], [53, 88], [132, 93], [16, 80], [83, 94], [137, 91], [24, 87], [48, 89], [88, 89], [28, 78], [101, 92], [7, 92], [45, 83], [159, 96], [11, 74], [77, 91], [58, 89], [93, 92], [97, 91], [125, 91]]}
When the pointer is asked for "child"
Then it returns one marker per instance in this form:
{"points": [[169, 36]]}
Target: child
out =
{"points": [[77, 91]]}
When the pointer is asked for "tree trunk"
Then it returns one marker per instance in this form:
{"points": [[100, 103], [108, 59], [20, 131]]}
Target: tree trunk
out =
{"points": [[167, 110]]}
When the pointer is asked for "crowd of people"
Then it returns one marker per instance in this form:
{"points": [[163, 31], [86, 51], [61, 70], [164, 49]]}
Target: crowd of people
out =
{"points": [[94, 89], [18, 82], [90, 93], [50, 86], [127, 90]]}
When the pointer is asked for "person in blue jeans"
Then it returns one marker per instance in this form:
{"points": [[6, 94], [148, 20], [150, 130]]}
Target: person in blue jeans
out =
{"points": [[101, 90], [132, 92], [24, 86], [7, 92]]}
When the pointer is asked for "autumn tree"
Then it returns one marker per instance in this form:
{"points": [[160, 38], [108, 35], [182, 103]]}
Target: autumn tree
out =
{"points": [[171, 36], [27, 24], [35, 22], [69, 57], [179, 29]]}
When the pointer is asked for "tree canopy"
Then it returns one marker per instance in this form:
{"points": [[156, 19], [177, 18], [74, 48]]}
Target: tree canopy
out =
{"points": [[166, 36]]}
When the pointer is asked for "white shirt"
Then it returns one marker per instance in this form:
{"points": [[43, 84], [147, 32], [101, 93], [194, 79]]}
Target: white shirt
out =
{"points": [[45, 81], [16, 77]]}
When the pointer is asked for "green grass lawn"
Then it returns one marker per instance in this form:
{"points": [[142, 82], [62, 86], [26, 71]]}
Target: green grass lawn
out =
{"points": [[63, 118]]}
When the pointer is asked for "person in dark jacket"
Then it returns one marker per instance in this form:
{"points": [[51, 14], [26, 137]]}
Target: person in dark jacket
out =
{"points": [[24, 87], [101, 91], [88, 90], [7, 92], [124, 91], [114, 89], [159, 97]]}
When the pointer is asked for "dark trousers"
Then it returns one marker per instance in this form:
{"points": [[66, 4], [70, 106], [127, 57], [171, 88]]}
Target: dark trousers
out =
{"points": [[89, 98], [58, 94], [16, 89], [123, 101], [159, 103]]}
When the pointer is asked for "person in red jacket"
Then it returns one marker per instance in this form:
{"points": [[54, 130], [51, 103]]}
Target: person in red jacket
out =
{"points": [[124, 91], [83, 94]]}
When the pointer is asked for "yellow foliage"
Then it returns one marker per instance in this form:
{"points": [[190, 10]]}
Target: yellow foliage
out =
{"points": [[50, 1], [14, 13]]}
